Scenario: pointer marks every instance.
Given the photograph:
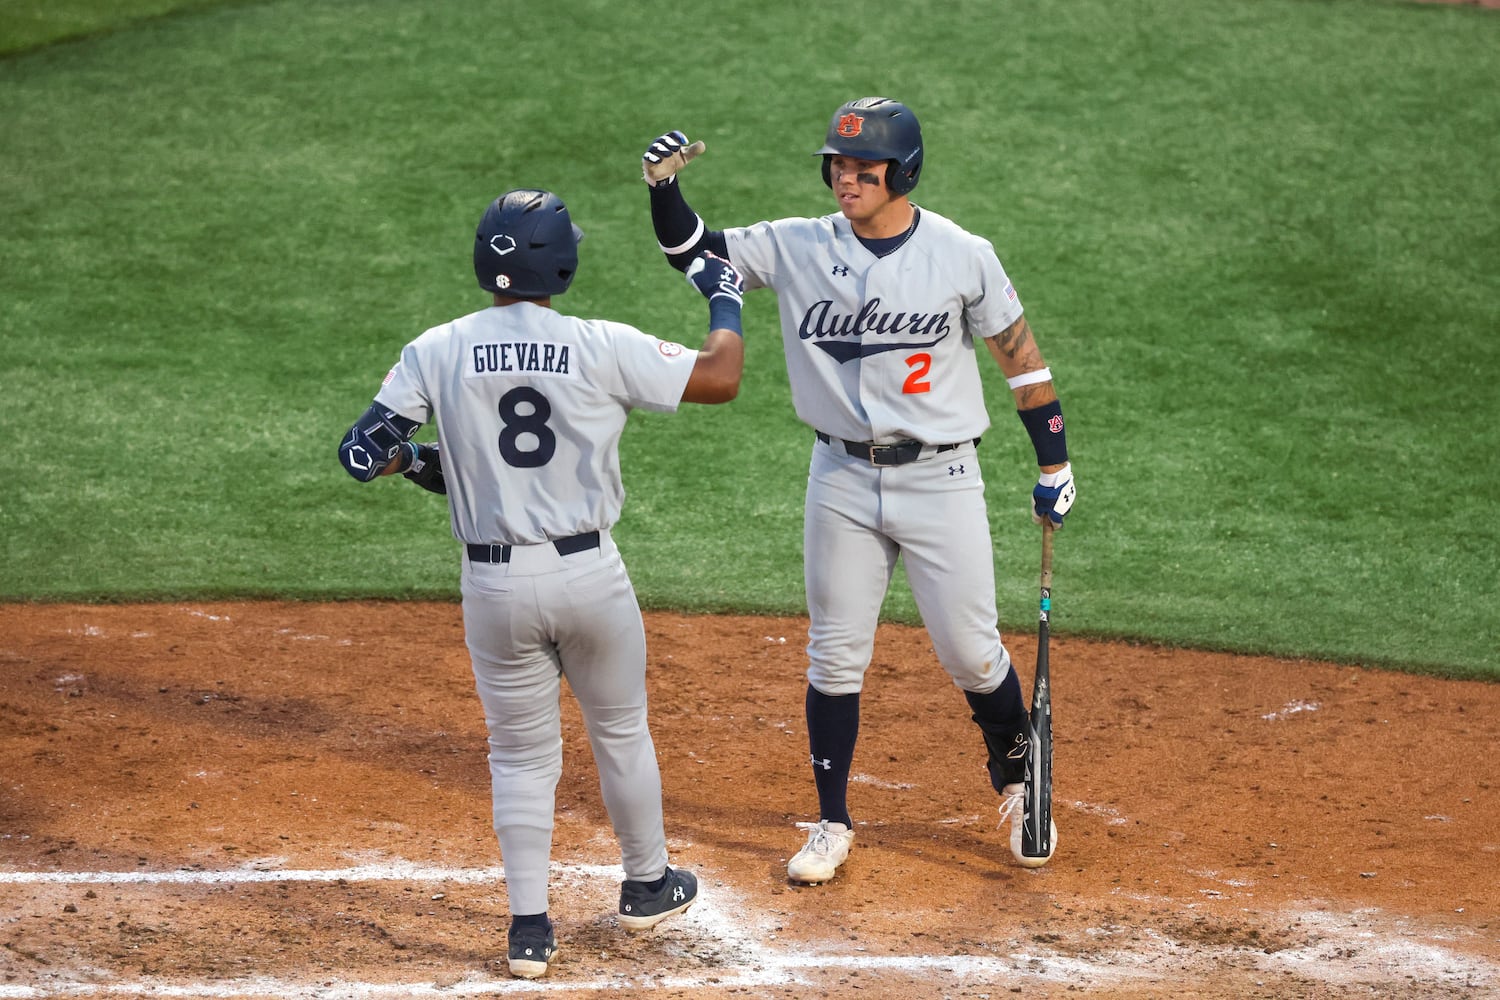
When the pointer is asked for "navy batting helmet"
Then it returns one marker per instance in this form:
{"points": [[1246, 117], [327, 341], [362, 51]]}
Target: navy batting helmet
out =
{"points": [[526, 245], [877, 128]]}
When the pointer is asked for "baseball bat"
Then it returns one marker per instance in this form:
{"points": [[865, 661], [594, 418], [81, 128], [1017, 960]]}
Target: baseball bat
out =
{"points": [[1036, 823]]}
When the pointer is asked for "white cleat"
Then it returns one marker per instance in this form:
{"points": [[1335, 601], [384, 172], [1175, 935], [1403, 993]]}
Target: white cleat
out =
{"points": [[827, 847]]}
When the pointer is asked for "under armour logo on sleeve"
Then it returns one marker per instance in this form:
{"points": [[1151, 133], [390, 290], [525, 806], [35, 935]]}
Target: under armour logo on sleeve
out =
{"points": [[840, 270]]}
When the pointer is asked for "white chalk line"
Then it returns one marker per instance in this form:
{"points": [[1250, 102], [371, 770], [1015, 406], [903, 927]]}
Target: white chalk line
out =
{"points": [[745, 942], [720, 920]]}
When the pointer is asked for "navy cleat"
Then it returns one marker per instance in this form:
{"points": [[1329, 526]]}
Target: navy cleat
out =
{"points": [[642, 908], [531, 950]]}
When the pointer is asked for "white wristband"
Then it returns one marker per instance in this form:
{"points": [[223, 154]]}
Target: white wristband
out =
{"points": [[1051, 479], [1030, 378], [697, 235]]}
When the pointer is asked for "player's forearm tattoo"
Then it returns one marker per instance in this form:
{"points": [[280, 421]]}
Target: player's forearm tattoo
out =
{"points": [[1031, 396], [1014, 338]]}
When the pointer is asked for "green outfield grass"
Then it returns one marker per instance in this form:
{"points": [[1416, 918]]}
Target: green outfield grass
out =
{"points": [[1256, 240]]}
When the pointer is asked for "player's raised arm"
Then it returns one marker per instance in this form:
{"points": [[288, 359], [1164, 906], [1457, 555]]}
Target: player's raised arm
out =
{"points": [[680, 233], [721, 360], [1030, 381]]}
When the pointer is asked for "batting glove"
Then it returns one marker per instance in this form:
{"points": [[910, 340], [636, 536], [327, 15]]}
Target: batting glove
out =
{"points": [[426, 468], [666, 155], [715, 277], [1053, 495]]}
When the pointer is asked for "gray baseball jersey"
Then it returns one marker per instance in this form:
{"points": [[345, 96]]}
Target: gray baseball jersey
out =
{"points": [[530, 405], [881, 349]]}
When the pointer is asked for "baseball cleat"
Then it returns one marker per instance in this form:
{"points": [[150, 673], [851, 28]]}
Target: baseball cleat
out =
{"points": [[531, 950], [827, 847], [1013, 810], [642, 908]]}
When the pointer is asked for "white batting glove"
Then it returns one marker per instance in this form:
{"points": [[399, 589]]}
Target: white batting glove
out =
{"points": [[1053, 495], [666, 155]]}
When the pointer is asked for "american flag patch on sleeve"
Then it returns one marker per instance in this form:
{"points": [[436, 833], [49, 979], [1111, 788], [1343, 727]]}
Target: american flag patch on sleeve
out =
{"points": [[392, 373], [1010, 291]]}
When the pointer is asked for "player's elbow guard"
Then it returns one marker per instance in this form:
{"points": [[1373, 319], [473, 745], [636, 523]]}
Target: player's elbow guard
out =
{"points": [[358, 462], [374, 442]]}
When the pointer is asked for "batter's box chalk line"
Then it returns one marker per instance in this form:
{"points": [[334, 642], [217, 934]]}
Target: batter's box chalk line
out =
{"points": [[748, 952]]}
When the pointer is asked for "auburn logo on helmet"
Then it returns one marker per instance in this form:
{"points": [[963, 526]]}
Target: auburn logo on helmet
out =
{"points": [[850, 125]]}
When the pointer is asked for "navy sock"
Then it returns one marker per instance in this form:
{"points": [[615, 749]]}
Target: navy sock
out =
{"points": [[832, 729], [1002, 706], [1006, 725]]}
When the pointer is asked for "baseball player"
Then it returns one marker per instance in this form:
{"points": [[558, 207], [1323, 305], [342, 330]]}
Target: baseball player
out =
{"points": [[530, 405], [882, 304]]}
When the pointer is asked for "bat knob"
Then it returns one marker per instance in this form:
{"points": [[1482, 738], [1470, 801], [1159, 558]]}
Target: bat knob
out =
{"points": [[1022, 858], [1013, 811]]}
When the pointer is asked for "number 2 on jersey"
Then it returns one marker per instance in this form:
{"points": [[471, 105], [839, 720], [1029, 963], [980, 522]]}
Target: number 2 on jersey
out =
{"points": [[533, 423], [921, 366]]}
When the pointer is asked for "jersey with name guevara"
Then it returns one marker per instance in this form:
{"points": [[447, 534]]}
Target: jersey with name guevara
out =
{"points": [[881, 348], [530, 405]]}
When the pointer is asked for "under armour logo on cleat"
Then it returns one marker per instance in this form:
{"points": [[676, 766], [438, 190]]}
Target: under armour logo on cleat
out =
{"points": [[677, 893]]}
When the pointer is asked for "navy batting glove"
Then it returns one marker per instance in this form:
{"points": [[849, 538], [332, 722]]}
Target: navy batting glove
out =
{"points": [[1053, 496], [714, 277], [723, 286], [426, 469]]}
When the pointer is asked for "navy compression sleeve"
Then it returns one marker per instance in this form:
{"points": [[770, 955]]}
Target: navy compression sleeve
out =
{"points": [[680, 233]]}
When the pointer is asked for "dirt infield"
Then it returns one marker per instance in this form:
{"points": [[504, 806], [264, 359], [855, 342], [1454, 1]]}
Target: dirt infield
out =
{"points": [[274, 800]]}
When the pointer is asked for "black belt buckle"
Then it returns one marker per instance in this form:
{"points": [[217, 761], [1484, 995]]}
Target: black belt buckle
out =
{"points": [[882, 456]]}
